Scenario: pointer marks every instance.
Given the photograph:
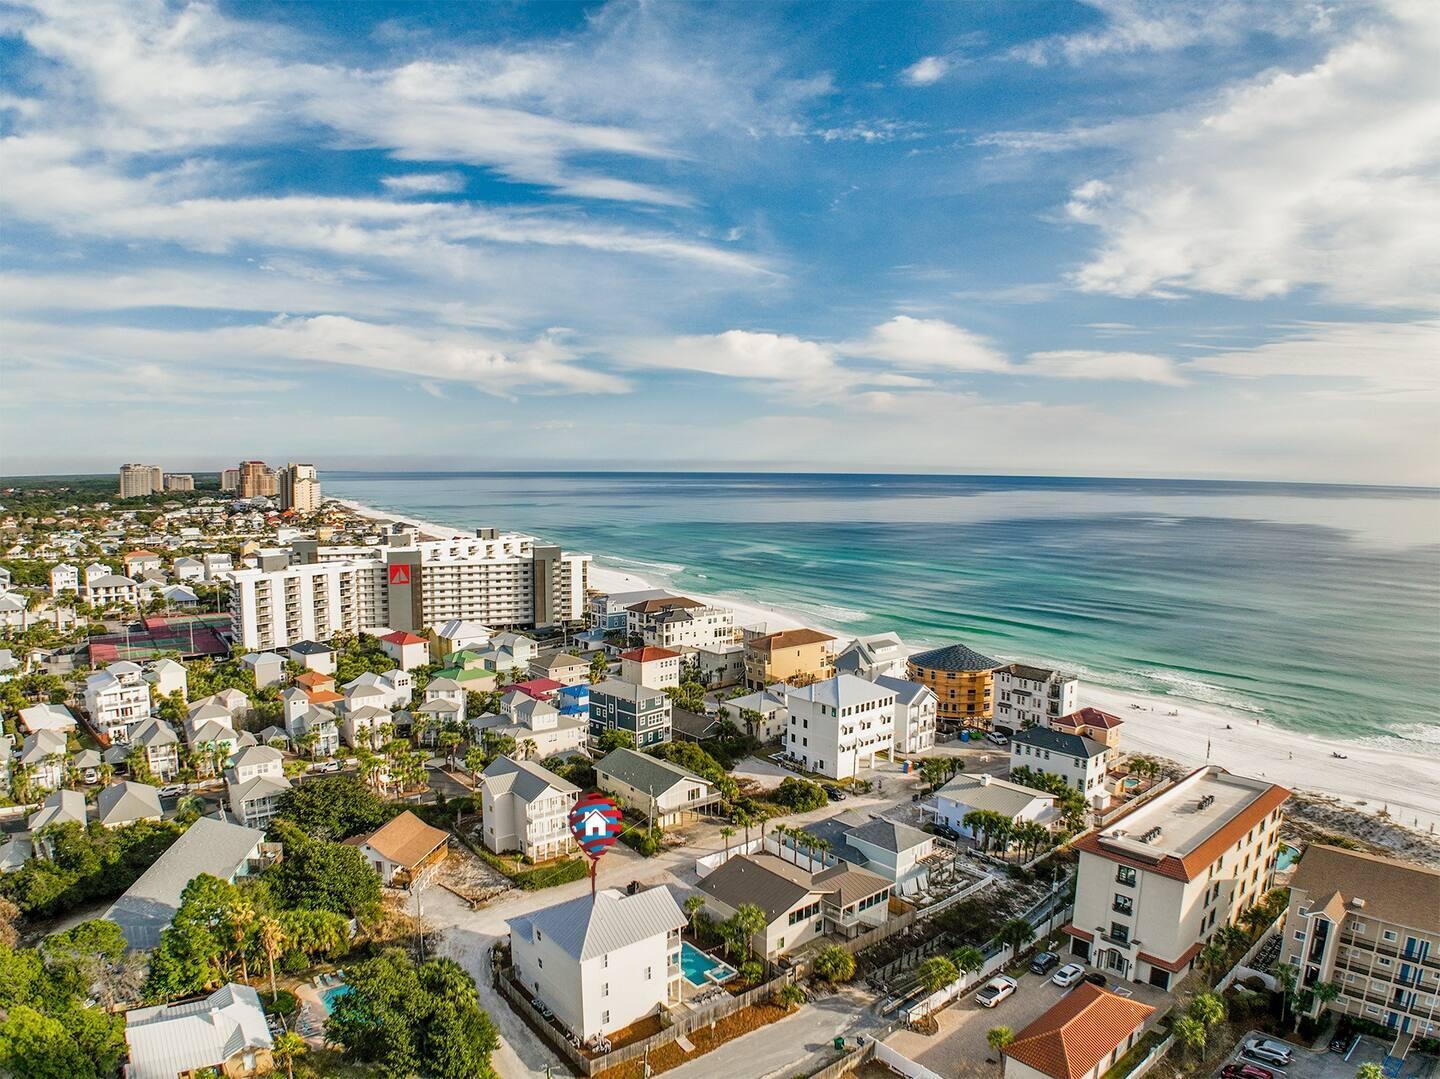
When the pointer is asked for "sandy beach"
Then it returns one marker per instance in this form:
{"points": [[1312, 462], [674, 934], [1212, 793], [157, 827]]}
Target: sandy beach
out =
{"points": [[1370, 778]]}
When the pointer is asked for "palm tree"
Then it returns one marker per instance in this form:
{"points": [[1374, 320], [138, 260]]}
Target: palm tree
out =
{"points": [[528, 748], [272, 939], [1326, 992], [749, 920], [1212, 956], [287, 1048], [967, 958], [998, 1038], [693, 905], [241, 917], [1190, 1033], [936, 973], [744, 820], [1207, 1009], [1286, 975], [835, 964], [726, 832], [1016, 933], [1370, 1071]]}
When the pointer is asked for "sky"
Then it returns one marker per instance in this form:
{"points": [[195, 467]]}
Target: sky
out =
{"points": [[1114, 238]]}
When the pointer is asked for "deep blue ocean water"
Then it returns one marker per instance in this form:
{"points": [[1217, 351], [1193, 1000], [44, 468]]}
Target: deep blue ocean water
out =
{"points": [[1317, 607]]}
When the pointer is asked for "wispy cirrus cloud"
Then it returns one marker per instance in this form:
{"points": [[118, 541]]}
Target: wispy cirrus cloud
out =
{"points": [[424, 183]]}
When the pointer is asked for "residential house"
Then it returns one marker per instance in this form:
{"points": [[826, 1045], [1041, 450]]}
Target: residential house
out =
{"points": [[872, 657], [609, 612], [916, 714], [158, 741], [526, 808], [1159, 880], [1081, 762], [692, 726], [168, 676], [719, 665], [899, 853], [93, 572], [117, 699], [267, 668], [44, 754], [678, 623], [224, 1034], [404, 851], [219, 848], [794, 656], [457, 635], [13, 607], [127, 802], [574, 701], [444, 706], [60, 807], [1028, 696], [840, 725], [1094, 724], [313, 656], [662, 792], [389, 691], [256, 781], [601, 964], [216, 564], [47, 717], [1081, 1036], [64, 578], [303, 718], [111, 592], [963, 682], [1370, 926], [538, 727], [651, 667], [966, 794], [621, 705], [188, 569], [366, 726], [137, 562], [7, 751], [769, 703], [408, 650]]}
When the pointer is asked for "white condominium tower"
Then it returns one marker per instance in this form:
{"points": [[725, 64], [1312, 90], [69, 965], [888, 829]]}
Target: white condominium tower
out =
{"points": [[299, 489], [137, 481], [496, 579]]}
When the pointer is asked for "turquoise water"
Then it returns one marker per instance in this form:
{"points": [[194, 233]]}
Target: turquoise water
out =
{"points": [[1287, 857], [695, 965], [331, 995], [1315, 607]]}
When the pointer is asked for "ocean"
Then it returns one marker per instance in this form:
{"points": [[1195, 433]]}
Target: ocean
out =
{"points": [[1315, 607]]}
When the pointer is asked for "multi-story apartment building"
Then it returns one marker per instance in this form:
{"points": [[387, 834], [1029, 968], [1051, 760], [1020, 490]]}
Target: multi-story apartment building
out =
{"points": [[1370, 926], [840, 724], [915, 712], [620, 705], [601, 964], [110, 591], [138, 481], [493, 579], [1094, 724], [656, 668], [179, 481], [962, 680], [1158, 881], [796, 657], [299, 488], [230, 479], [1028, 696], [678, 622], [64, 578], [526, 808], [1081, 762], [257, 480], [117, 698]]}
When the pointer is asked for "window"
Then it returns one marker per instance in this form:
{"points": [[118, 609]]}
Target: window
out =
{"points": [[1299, 935], [1125, 875], [539, 962], [648, 974], [605, 990], [605, 962], [1359, 927], [605, 1016], [1124, 904], [1119, 933], [1390, 935]]}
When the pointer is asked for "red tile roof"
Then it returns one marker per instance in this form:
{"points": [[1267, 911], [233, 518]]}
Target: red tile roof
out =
{"points": [[542, 689], [314, 680], [648, 654], [1090, 717], [401, 636], [1082, 1029]]}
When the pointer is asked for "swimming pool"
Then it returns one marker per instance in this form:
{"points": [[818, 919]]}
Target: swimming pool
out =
{"points": [[700, 969], [1287, 857], [331, 995]]}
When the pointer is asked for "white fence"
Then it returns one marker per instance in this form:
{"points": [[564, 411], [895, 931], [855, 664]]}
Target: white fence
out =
{"points": [[903, 1065], [769, 845]]}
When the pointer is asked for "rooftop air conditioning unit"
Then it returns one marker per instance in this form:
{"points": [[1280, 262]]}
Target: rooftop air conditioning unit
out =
{"points": [[1358, 903]]}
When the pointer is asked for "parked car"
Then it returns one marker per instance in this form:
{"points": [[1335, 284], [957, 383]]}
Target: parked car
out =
{"points": [[996, 738], [172, 790], [944, 831], [330, 766], [1068, 975], [1269, 1051], [1044, 962], [92, 775], [1343, 1043], [835, 794], [1246, 1071], [1096, 978], [996, 990]]}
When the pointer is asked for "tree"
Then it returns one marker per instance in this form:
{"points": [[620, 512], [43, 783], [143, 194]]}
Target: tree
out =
{"points": [[1016, 933], [334, 807], [271, 939], [744, 820], [1212, 957], [241, 918], [475, 760], [599, 668], [188, 958], [76, 1042], [615, 738], [935, 770], [1207, 1009], [936, 973], [748, 920], [1325, 993], [1287, 976], [288, 1048], [1370, 1071], [693, 905], [967, 958], [789, 995], [998, 1038], [835, 964], [449, 741], [1190, 1033], [319, 875], [726, 832], [799, 795]]}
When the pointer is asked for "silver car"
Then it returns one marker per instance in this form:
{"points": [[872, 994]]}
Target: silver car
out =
{"points": [[1269, 1051], [1068, 975]]}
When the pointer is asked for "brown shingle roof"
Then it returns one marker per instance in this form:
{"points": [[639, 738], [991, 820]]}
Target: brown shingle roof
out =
{"points": [[789, 638], [406, 840], [665, 603], [1393, 891], [1076, 1034]]}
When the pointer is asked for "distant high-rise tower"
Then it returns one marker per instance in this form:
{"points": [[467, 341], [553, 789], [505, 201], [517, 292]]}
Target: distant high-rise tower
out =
{"points": [[256, 480], [230, 479], [299, 489], [137, 481], [179, 481]]}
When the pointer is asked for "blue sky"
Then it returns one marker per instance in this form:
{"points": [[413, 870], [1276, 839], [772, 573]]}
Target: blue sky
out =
{"points": [[1107, 238]]}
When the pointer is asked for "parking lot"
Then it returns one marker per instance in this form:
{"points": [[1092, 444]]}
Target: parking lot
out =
{"points": [[1310, 1064], [960, 1048]]}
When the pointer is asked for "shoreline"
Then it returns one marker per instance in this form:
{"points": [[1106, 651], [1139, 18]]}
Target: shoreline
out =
{"points": [[1368, 779]]}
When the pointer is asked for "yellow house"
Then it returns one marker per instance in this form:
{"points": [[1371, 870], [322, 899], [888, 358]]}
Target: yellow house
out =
{"points": [[963, 681], [795, 656]]}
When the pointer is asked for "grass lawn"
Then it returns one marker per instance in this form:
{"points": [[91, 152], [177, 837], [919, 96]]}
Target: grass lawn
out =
{"points": [[705, 1039]]}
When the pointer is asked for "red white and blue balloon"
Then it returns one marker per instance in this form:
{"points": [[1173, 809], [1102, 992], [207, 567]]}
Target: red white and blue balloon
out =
{"points": [[595, 822]]}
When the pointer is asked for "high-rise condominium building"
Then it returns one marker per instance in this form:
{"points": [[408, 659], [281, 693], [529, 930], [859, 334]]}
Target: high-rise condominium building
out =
{"points": [[230, 479], [137, 481], [299, 489], [179, 481], [495, 579], [257, 480]]}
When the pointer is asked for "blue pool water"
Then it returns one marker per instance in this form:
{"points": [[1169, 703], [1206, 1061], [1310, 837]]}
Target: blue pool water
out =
{"points": [[331, 995], [1287, 857], [696, 965]]}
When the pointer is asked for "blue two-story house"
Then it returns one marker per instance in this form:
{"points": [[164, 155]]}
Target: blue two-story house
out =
{"points": [[644, 712]]}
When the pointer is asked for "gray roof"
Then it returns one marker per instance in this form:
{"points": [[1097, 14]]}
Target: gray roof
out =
{"points": [[309, 648], [1058, 742], [841, 691], [955, 657], [256, 755], [525, 779], [693, 725], [181, 1038], [905, 690], [770, 883], [58, 808], [112, 580], [47, 717], [889, 835], [153, 732], [847, 885], [987, 792], [586, 929], [127, 801], [623, 690], [42, 744], [553, 660], [208, 846], [644, 772]]}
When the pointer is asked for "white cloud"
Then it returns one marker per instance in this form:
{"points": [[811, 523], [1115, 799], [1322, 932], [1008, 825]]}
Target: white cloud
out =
{"points": [[1102, 366], [425, 183], [1253, 196], [927, 343], [737, 354], [926, 71]]}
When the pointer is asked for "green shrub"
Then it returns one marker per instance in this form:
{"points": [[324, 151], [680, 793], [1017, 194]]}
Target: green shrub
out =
{"points": [[799, 795]]}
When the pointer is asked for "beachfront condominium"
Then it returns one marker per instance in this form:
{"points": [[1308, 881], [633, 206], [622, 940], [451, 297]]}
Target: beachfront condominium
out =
{"points": [[299, 489], [1157, 882], [796, 657], [962, 680], [678, 622], [839, 725], [1369, 926], [492, 578], [230, 479], [138, 481], [257, 480], [1027, 696], [179, 481]]}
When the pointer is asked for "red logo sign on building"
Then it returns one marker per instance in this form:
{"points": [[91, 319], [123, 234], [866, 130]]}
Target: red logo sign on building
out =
{"points": [[399, 574]]}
